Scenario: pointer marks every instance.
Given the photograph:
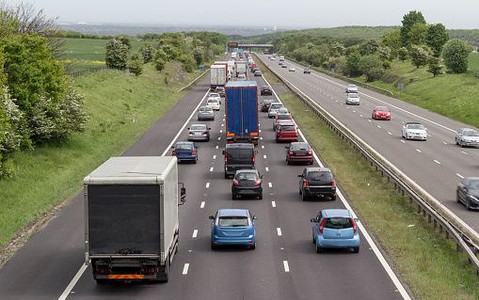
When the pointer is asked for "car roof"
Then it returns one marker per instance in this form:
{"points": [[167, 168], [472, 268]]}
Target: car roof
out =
{"points": [[184, 143], [247, 171], [466, 129], [233, 212], [240, 145], [410, 123], [331, 213]]}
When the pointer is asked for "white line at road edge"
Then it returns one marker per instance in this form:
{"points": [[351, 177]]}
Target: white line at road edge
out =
{"points": [[370, 241], [80, 272]]}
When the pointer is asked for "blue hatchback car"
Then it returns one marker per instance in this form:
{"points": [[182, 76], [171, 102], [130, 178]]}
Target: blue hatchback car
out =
{"points": [[185, 151], [335, 228], [233, 227]]}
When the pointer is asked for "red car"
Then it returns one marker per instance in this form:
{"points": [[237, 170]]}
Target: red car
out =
{"points": [[286, 132], [381, 113], [299, 152]]}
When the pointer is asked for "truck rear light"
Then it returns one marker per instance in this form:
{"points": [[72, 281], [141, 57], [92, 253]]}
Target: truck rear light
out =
{"points": [[150, 270], [235, 182], [321, 226], [102, 270], [355, 227]]}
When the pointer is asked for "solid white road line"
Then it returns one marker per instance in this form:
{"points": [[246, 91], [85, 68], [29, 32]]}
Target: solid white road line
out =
{"points": [[286, 266], [195, 233], [202, 205], [278, 231], [185, 269], [273, 203], [207, 185], [459, 175], [73, 282]]}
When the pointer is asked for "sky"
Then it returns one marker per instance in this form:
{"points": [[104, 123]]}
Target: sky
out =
{"points": [[457, 14]]}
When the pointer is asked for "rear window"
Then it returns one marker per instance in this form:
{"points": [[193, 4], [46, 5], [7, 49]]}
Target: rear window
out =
{"points": [[205, 109], [232, 221], [276, 105], [198, 127], [299, 147], [184, 146], [288, 128], [338, 223], [284, 117], [320, 176], [246, 176], [212, 101], [239, 154]]}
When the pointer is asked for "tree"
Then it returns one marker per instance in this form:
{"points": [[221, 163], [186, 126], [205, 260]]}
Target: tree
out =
{"points": [[435, 66], [135, 64], [147, 52], [403, 53], [199, 55], [408, 21], [160, 63], [384, 53], [369, 47], [417, 34], [419, 55], [352, 64], [436, 37], [392, 40], [372, 67], [455, 54], [116, 54]]}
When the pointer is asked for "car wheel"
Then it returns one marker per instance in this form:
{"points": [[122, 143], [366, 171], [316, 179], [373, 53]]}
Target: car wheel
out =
{"points": [[213, 246], [288, 162], [457, 143], [333, 197], [303, 196], [208, 139], [252, 247], [457, 198], [461, 144], [468, 205], [233, 197], [356, 249], [314, 239], [300, 191], [260, 197], [195, 161], [226, 176], [319, 249], [311, 162]]}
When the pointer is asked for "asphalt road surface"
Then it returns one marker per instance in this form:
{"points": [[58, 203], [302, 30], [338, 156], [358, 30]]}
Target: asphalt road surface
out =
{"points": [[283, 266]]}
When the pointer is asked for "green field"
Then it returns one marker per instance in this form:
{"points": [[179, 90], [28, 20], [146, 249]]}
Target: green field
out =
{"points": [[474, 62], [427, 262], [120, 108]]}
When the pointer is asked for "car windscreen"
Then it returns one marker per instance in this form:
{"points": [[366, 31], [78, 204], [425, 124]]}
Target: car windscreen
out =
{"points": [[276, 105], [338, 223], [240, 156], [353, 95], [197, 127], [473, 184], [184, 146], [415, 126], [288, 128], [299, 146], [246, 176], [320, 176], [470, 133], [232, 221]]}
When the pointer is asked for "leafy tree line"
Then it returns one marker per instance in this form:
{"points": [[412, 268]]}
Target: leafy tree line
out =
{"points": [[421, 43], [37, 103], [191, 49]]}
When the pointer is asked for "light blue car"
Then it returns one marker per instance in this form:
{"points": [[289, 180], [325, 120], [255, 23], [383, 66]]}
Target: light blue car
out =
{"points": [[335, 228], [233, 227]]}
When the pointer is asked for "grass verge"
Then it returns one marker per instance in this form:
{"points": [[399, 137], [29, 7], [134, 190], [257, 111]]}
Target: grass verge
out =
{"points": [[121, 107], [427, 263]]}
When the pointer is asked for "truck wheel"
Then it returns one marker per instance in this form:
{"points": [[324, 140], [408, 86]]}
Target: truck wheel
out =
{"points": [[165, 276]]}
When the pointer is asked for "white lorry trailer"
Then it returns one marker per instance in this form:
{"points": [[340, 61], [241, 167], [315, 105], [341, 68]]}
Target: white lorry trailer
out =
{"points": [[219, 75], [131, 218]]}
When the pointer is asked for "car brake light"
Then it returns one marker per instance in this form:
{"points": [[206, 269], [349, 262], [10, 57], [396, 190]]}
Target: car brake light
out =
{"points": [[190, 132], [333, 183], [235, 182], [306, 183], [173, 153], [205, 132], [321, 226], [193, 152], [258, 182], [291, 152], [310, 152], [355, 227]]}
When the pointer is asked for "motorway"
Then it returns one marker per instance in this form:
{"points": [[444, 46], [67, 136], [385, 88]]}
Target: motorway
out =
{"points": [[283, 266], [437, 165]]}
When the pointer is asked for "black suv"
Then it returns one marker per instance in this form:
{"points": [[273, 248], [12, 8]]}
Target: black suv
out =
{"points": [[266, 91], [317, 182], [238, 156]]}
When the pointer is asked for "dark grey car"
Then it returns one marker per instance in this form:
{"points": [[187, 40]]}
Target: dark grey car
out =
{"points": [[247, 183], [317, 182], [468, 192]]}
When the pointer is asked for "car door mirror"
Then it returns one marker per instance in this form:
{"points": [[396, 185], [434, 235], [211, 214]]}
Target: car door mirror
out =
{"points": [[188, 128], [211, 217], [356, 220], [287, 147], [209, 128], [254, 218], [172, 147], [313, 220], [300, 175], [223, 152]]}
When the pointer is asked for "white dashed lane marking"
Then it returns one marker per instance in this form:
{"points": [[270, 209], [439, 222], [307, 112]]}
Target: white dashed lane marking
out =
{"points": [[214, 156], [267, 169], [459, 175], [207, 185], [264, 156], [278, 231], [270, 184], [286, 266], [211, 169], [202, 205], [185, 268], [262, 146], [402, 141], [418, 150], [464, 152], [195, 233], [437, 162], [273, 203]]}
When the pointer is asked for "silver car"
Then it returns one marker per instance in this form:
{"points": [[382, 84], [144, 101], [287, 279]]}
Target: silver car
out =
{"points": [[467, 137], [414, 131], [199, 132], [353, 98], [206, 113], [273, 108], [352, 88]]}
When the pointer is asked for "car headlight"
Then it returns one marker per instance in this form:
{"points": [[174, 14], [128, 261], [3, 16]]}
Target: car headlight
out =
{"points": [[250, 236], [473, 198]]}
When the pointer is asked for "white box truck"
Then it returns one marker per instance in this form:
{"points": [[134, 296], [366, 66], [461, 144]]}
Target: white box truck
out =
{"points": [[241, 67], [131, 218], [219, 75]]}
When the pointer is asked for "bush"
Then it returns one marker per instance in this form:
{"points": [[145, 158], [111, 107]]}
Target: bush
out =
{"points": [[147, 52], [135, 65], [372, 67], [116, 54], [419, 55], [160, 63]]}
